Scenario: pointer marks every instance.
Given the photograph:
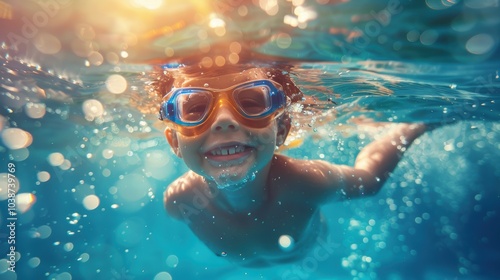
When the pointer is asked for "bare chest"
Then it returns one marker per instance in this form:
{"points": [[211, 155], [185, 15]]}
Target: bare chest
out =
{"points": [[256, 234]]}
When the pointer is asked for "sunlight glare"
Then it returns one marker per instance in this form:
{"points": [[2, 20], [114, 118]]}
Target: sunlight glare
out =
{"points": [[148, 4]]}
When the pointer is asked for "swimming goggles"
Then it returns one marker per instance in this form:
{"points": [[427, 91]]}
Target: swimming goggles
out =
{"points": [[192, 110]]}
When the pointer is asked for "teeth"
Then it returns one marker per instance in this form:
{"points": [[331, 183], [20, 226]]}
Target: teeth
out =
{"points": [[227, 151]]}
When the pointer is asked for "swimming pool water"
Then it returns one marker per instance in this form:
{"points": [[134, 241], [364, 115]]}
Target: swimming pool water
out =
{"points": [[91, 169]]}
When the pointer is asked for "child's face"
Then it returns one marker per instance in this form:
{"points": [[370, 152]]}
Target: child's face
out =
{"points": [[228, 152]]}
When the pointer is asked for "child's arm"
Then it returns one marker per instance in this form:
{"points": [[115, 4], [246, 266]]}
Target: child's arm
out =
{"points": [[375, 161], [319, 181]]}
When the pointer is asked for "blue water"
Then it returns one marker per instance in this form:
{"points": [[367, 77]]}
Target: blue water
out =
{"points": [[98, 176]]}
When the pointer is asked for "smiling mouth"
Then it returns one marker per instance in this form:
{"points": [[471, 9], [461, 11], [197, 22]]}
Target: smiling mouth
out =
{"points": [[229, 152]]}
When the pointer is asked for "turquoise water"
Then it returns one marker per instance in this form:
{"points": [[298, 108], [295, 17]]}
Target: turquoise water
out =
{"points": [[91, 169]]}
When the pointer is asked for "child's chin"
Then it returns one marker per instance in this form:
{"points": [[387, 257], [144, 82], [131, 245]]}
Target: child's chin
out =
{"points": [[232, 181]]}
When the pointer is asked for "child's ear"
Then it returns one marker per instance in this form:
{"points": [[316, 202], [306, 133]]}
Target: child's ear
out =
{"points": [[284, 124], [171, 136]]}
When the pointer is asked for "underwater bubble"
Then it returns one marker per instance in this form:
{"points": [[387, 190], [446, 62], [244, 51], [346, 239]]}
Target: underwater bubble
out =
{"points": [[34, 262], [43, 176], [24, 201], [9, 275], [207, 62], [234, 58], [95, 58], [270, 7], [286, 242], [429, 37], [44, 231], [47, 43], [304, 14], [4, 186], [113, 190], [235, 47], [283, 40], [4, 265], [412, 36], [20, 154], [163, 276], [220, 61], [116, 84], [84, 257], [55, 159], [92, 109], [172, 261], [354, 223], [75, 218], [68, 247], [91, 202], [64, 276], [439, 4], [216, 22], [106, 172], [112, 58], [16, 138], [480, 44], [35, 110], [107, 153], [65, 165]]}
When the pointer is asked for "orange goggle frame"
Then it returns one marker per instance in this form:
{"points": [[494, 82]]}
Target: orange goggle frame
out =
{"points": [[192, 110]]}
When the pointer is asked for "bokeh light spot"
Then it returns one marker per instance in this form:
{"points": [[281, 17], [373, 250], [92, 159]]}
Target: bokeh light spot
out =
{"points": [[480, 44], [35, 110], [47, 43], [55, 159], [286, 242], [92, 109], [91, 202], [16, 138], [4, 186], [116, 84], [283, 40], [163, 276], [24, 201], [172, 261]]}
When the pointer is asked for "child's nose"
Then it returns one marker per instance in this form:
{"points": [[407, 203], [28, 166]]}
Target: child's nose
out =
{"points": [[224, 120]]}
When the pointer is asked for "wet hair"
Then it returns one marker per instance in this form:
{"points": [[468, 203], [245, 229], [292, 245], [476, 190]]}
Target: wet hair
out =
{"points": [[163, 79], [160, 81]]}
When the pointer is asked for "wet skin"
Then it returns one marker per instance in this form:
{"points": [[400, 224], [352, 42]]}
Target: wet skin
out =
{"points": [[239, 197]]}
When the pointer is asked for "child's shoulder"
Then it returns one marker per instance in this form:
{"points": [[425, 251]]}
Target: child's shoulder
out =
{"points": [[303, 179], [179, 192]]}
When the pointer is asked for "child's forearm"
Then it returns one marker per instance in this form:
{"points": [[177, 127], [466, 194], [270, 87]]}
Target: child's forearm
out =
{"points": [[380, 157]]}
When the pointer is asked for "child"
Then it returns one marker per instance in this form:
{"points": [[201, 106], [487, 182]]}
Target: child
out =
{"points": [[245, 202]]}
